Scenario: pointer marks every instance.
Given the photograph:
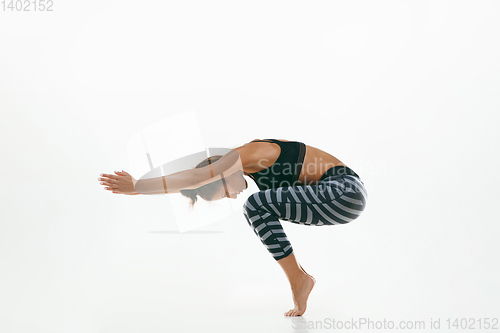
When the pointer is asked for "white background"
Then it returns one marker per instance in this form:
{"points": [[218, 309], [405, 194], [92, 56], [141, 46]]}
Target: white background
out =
{"points": [[406, 93]]}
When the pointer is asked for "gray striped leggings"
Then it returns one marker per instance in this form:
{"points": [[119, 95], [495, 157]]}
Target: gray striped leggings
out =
{"points": [[336, 199]]}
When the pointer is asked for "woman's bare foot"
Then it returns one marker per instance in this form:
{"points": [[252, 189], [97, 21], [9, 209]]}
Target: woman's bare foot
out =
{"points": [[300, 294]]}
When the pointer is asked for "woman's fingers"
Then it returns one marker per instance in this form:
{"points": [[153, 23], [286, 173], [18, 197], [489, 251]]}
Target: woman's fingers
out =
{"points": [[109, 184], [117, 176], [121, 183], [109, 176], [105, 178]]}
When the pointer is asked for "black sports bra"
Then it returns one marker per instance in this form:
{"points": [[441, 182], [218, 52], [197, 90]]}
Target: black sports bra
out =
{"points": [[286, 170]]}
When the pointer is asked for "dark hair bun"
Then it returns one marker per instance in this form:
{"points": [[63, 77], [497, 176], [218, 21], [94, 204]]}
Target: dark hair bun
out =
{"points": [[203, 191], [191, 194]]}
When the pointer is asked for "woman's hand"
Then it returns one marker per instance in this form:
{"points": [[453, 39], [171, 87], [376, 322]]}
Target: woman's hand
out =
{"points": [[121, 183]]}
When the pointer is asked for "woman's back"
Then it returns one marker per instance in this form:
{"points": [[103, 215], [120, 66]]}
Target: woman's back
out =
{"points": [[262, 154]]}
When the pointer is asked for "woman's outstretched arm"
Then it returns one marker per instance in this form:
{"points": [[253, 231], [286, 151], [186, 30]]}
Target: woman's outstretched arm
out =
{"points": [[192, 178]]}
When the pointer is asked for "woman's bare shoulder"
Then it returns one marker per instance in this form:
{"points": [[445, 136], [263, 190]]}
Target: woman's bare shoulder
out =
{"points": [[252, 153]]}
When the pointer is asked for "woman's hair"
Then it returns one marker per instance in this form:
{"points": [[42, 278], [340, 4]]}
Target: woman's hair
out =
{"points": [[206, 191]]}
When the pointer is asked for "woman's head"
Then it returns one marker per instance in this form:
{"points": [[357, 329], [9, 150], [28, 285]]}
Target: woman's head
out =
{"points": [[225, 187]]}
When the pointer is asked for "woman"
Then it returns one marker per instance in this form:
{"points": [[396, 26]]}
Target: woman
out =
{"points": [[298, 183]]}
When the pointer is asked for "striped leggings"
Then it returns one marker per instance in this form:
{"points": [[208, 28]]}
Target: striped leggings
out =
{"points": [[335, 199]]}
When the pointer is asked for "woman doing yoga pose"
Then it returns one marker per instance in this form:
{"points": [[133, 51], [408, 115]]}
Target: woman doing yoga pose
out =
{"points": [[297, 183]]}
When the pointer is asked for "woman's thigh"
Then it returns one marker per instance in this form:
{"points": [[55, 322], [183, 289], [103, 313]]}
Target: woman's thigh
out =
{"points": [[335, 200]]}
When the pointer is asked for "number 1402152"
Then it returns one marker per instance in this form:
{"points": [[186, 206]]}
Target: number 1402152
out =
{"points": [[27, 5]]}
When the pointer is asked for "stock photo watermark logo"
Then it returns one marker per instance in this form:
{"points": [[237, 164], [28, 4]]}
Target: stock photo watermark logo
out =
{"points": [[282, 175], [384, 324], [27, 5]]}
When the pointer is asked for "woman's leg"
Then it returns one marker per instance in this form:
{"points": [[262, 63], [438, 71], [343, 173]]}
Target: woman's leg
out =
{"points": [[332, 201], [271, 234], [301, 284]]}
